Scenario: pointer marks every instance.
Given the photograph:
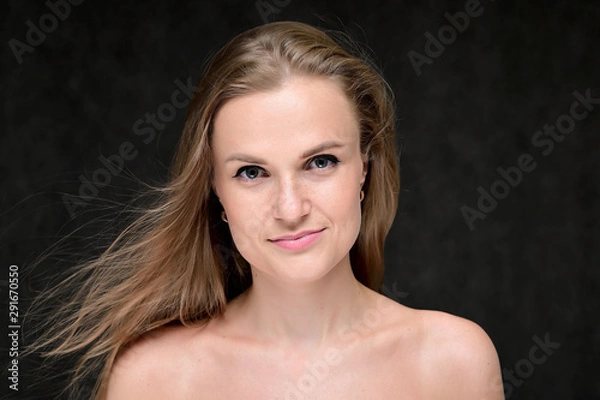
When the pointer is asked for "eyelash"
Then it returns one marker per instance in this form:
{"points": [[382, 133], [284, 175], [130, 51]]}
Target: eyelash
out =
{"points": [[333, 161]]}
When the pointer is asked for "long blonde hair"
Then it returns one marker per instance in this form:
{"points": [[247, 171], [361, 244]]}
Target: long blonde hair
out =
{"points": [[177, 263]]}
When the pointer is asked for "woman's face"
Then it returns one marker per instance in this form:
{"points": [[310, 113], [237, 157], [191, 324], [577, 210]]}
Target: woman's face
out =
{"points": [[288, 171]]}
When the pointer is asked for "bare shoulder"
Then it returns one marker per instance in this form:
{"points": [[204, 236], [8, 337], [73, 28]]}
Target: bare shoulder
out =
{"points": [[151, 367], [461, 359]]}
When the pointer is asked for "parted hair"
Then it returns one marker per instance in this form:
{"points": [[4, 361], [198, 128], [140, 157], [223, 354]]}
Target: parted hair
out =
{"points": [[176, 262]]}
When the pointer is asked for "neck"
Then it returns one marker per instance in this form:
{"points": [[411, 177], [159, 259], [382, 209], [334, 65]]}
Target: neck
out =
{"points": [[306, 315]]}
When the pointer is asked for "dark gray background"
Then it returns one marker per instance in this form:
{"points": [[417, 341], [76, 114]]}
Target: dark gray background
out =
{"points": [[530, 268]]}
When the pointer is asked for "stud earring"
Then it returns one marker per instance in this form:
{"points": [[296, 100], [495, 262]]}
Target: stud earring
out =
{"points": [[362, 195], [224, 217]]}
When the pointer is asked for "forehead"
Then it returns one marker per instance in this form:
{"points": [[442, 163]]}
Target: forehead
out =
{"points": [[303, 112]]}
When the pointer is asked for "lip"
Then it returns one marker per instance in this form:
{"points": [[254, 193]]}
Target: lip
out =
{"points": [[297, 241]]}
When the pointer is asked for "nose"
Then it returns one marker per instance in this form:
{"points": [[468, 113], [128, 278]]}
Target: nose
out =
{"points": [[291, 201]]}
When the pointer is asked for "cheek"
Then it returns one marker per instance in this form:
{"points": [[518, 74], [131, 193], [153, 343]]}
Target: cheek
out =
{"points": [[340, 201], [247, 221]]}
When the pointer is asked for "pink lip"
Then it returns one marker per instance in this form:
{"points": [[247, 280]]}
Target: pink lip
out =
{"points": [[297, 241]]}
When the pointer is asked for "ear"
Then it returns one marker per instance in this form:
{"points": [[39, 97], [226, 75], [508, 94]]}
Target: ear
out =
{"points": [[213, 188], [365, 169], [213, 185]]}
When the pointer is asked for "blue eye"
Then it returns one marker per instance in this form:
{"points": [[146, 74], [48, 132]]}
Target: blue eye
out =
{"points": [[324, 161], [320, 162], [249, 172]]}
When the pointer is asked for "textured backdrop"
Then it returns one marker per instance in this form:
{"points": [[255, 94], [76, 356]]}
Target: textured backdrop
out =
{"points": [[498, 124]]}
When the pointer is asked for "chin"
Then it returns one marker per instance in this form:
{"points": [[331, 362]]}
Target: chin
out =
{"points": [[306, 270]]}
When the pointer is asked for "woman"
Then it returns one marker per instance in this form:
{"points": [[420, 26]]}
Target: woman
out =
{"points": [[257, 274]]}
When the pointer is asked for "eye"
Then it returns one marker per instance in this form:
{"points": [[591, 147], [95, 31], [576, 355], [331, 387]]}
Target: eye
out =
{"points": [[324, 161], [249, 172]]}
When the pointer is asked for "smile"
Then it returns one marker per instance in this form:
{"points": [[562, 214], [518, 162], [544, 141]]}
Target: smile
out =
{"points": [[297, 241]]}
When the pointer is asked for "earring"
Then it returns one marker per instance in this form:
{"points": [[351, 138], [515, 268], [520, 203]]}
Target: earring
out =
{"points": [[362, 195], [224, 217]]}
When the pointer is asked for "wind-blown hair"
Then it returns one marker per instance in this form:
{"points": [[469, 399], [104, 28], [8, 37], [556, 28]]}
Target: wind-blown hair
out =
{"points": [[177, 263]]}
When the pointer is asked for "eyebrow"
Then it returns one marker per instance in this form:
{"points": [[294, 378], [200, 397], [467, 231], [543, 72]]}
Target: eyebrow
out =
{"points": [[310, 152]]}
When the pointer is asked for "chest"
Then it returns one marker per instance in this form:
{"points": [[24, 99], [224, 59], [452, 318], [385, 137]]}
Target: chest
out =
{"points": [[373, 372]]}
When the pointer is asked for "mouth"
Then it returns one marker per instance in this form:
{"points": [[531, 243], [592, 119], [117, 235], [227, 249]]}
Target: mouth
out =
{"points": [[296, 236], [297, 241]]}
